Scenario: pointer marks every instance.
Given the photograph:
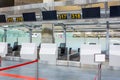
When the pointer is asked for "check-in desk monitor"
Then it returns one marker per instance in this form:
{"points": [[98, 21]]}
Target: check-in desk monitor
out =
{"points": [[48, 53], [114, 55], [3, 49], [87, 53], [28, 51]]}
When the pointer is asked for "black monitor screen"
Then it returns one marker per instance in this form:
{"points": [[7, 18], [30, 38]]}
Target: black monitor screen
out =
{"points": [[114, 11], [62, 45], [29, 16], [2, 18], [91, 12], [49, 15]]}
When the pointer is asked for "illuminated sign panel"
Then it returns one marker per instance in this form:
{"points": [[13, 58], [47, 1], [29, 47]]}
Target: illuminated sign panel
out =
{"points": [[16, 19], [10, 19], [75, 16], [19, 19], [62, 16], [66, 16]]}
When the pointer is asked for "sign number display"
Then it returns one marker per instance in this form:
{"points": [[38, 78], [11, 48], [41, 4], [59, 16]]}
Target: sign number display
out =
{"points": [[16, 19], [72, 16], [62, 16], [19, 19], [10, 19], [75, 16]]}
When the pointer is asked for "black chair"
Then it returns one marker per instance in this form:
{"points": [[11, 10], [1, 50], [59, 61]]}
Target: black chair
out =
{"points": [[9, 50], [78, 50], [70, 50], [15, 46], [16, 49]]}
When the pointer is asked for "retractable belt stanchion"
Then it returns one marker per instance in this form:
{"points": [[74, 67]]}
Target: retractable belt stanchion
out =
{"points": [[0, 61], [99, 58], [37, 68], [18, 65], [99, 71]]}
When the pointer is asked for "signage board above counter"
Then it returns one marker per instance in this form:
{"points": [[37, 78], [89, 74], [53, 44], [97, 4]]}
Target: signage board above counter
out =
{"points": [[85, 13]]}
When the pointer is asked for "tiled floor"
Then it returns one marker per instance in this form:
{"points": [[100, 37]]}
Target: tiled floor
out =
{"points": [[50, 72]]}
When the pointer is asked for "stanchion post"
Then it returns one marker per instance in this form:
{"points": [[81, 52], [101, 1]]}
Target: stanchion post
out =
{"points": [[99, 71], [0, 61], [99, 58], [37, 71], [37, 67]]}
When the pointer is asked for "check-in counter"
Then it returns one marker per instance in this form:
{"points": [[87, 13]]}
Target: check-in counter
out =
{"points": [[3, 49], [48, 53], [28, 51], [87, 53], [114, 55]]}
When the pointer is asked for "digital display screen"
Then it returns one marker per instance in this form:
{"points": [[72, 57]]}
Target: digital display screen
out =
{"points": [[91, 12], [29, 16], [19, 19], [114, 11], [75, 16], [10, 19], [49, 15], [2, 18], [62, 16]]}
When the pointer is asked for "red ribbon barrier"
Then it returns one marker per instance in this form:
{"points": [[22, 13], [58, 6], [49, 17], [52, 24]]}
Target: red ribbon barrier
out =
{"points": [[18, 65]]}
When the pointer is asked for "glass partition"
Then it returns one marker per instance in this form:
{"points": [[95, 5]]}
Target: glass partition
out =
{"points": [[15, 35], [79, 35], [36, 38], [1, 35]]}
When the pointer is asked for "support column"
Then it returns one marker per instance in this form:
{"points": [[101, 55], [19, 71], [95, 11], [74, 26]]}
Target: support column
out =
{"points": [[5, 35], [65, 40], [107, 38], [99, 71], [30, 35], [47, 29], [49, 4], [47, 33], [65, 37], [106, 9]]}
